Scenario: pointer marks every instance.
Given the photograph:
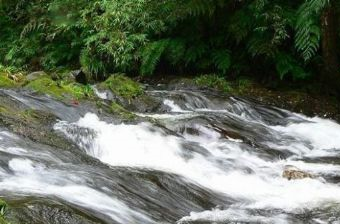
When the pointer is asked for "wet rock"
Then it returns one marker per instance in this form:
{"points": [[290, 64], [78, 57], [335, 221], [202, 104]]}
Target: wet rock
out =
{"points": [[142, 104], [294, 173], [34, 124], [48, 211], [35, 75]]}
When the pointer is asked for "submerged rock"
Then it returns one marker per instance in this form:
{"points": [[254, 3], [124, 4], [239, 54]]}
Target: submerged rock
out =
{"points": [[294, 173]]}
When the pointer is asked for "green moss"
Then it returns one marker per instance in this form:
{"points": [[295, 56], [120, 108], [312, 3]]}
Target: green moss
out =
{"points": [[6, 82], [118, 109], [29, 115], [3, 221], [123, 86], [47, 86], [78, 91], [3, 109], [213, 81], [60, 90]]}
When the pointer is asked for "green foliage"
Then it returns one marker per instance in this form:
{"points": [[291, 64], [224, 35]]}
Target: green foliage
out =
{"points": [[286, 64], [7, 69], [123, 86], [145, 37], [213, 81], [3, 209], [151, 55], [243, 84], [5, 82], [308, 33], [222, 60]]}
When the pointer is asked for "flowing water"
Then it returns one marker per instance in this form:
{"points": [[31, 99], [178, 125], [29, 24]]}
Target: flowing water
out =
{"points": [[200, 158]]}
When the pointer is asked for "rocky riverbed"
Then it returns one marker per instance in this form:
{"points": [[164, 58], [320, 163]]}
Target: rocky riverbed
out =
{"points": [[166, 152]]}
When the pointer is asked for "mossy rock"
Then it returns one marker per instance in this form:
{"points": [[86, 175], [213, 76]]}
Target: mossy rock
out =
{"points": [[60, 90], [122, 86], [6, 82], [213, 81], [121, 111]]}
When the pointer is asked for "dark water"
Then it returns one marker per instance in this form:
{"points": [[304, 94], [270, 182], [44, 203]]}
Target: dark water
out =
{"points": [[200, 158]]}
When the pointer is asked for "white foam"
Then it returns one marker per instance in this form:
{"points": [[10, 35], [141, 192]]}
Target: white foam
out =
{"points": [[14, 150], [101, 95], [321, 133], [146, 146], [231, 215], [174, 107]]}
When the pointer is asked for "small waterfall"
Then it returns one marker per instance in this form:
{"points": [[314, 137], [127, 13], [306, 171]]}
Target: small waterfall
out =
{"points": [[225, 164]]}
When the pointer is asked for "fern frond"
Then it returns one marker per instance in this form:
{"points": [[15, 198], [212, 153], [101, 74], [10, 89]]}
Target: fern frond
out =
{"points": [[308, 33], [195, 52], [240, 25], [200, 7], [175, 50], [260, 45], [222, 60], [151, 55], [32, 26], [286, 64]]}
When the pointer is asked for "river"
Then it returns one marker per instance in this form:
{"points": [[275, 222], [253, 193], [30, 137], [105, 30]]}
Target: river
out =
{"points": [[200, 158]]}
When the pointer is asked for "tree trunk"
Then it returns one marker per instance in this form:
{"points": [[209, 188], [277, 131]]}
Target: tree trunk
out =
{"points": [[331, 68]]}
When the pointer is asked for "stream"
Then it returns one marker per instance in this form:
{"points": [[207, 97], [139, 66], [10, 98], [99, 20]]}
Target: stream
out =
{"points": [[200, 157]]}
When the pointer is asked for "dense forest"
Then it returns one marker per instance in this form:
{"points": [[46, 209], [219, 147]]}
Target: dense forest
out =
{"points": [[270, 40]]}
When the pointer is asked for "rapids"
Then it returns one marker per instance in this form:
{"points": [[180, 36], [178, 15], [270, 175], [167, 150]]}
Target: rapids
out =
{"points": [[200, 158]]}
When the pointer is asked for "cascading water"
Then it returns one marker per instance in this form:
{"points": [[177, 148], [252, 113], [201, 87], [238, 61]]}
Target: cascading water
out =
{"points": [[201, 158]]}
